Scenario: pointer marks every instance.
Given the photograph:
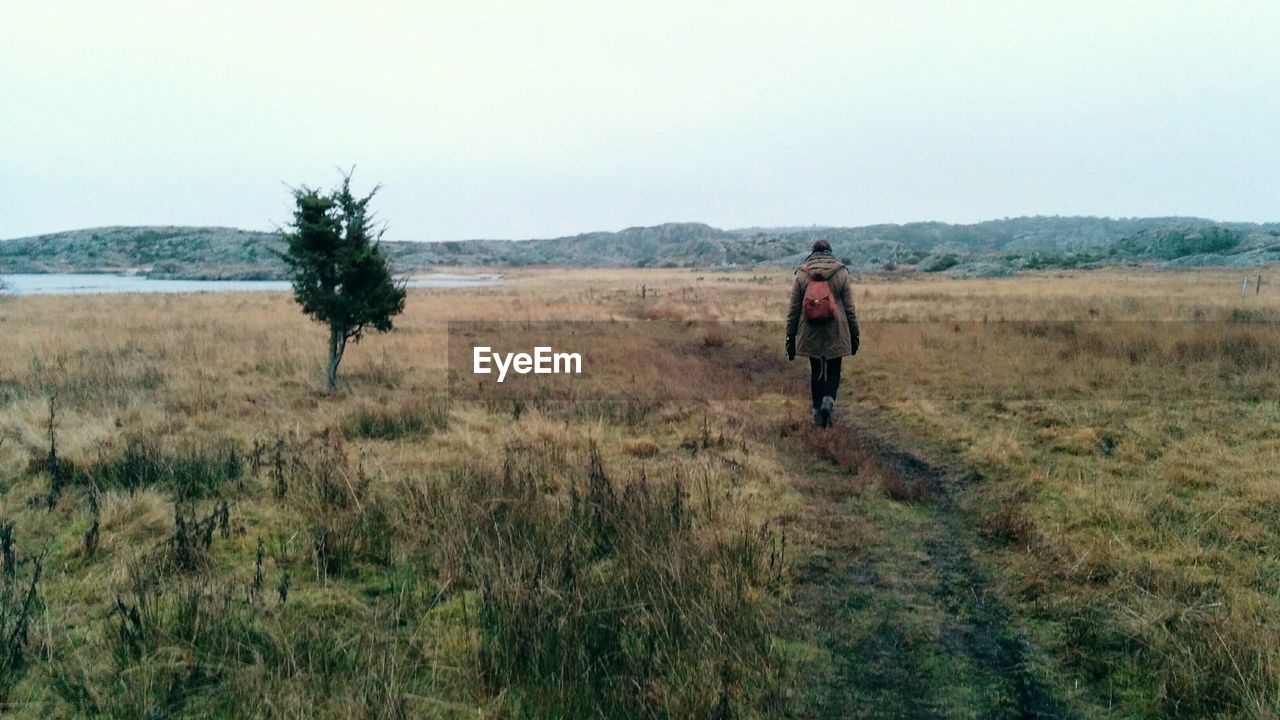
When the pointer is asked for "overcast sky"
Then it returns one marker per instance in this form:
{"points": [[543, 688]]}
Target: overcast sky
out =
{"points": [[535, 119]]}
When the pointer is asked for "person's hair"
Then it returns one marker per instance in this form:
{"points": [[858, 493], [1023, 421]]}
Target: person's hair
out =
{"points": [[821, 246]]}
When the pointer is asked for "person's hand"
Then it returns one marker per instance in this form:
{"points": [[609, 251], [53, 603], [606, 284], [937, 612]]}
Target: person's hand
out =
{"points": [[791, 347], [855, 340]]}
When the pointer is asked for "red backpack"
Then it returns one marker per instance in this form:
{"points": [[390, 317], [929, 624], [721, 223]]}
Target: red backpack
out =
{"points": [[819, 303]]}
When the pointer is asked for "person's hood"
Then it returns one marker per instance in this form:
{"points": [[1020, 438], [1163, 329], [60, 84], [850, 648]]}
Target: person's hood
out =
{"points": [[821, 265]]}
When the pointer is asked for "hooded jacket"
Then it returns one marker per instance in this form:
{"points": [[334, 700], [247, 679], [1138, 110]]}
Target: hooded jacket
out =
{"points": [[832, 338]]}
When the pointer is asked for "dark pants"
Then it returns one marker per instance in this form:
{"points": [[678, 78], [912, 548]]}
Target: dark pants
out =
{"points": [[824, 379]]}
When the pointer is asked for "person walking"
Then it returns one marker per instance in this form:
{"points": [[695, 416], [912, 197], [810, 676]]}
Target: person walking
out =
{"points": [[822, 325]]}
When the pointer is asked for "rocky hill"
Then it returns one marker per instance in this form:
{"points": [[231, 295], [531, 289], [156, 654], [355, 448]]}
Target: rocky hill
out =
{"points": [[158, 251], [989, 248]]}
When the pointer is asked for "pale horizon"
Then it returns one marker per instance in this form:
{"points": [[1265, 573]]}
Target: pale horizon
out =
{"points": [[504, 121], [793, 226]]}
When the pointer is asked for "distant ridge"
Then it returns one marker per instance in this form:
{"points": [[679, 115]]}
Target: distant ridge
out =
{"points": [[995, 247], [156, 250]]}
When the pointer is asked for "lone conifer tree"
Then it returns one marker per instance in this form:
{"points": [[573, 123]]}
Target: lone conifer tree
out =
{"points": [[340, 276]]}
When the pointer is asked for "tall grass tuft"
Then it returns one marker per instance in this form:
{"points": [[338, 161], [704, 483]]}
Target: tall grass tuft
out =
{"points": [[347, 520], [601, 597], [189, 473], [19, 603], [409, 419]]}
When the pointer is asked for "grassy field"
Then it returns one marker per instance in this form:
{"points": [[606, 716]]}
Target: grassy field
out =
{"points": [[190, 526]]}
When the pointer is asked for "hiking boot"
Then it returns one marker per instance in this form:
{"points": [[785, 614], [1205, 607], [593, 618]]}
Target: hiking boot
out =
{"points": [[817, 418], [825, 410]]}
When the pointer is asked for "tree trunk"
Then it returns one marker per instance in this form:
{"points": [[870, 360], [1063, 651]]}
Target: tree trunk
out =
{"points": [[337, 344]]}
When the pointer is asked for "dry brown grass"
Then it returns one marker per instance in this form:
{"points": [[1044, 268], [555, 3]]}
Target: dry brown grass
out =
{"points": [[384, 590], [1128, 465]]}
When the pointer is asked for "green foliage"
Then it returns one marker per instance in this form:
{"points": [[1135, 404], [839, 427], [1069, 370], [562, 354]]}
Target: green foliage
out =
{"points": [[340, 276]]}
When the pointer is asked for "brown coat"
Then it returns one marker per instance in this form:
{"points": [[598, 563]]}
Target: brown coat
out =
{"points": [[831, 338]]}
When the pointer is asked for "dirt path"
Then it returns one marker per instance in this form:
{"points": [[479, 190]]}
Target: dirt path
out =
{"points": [[896, 600]]}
